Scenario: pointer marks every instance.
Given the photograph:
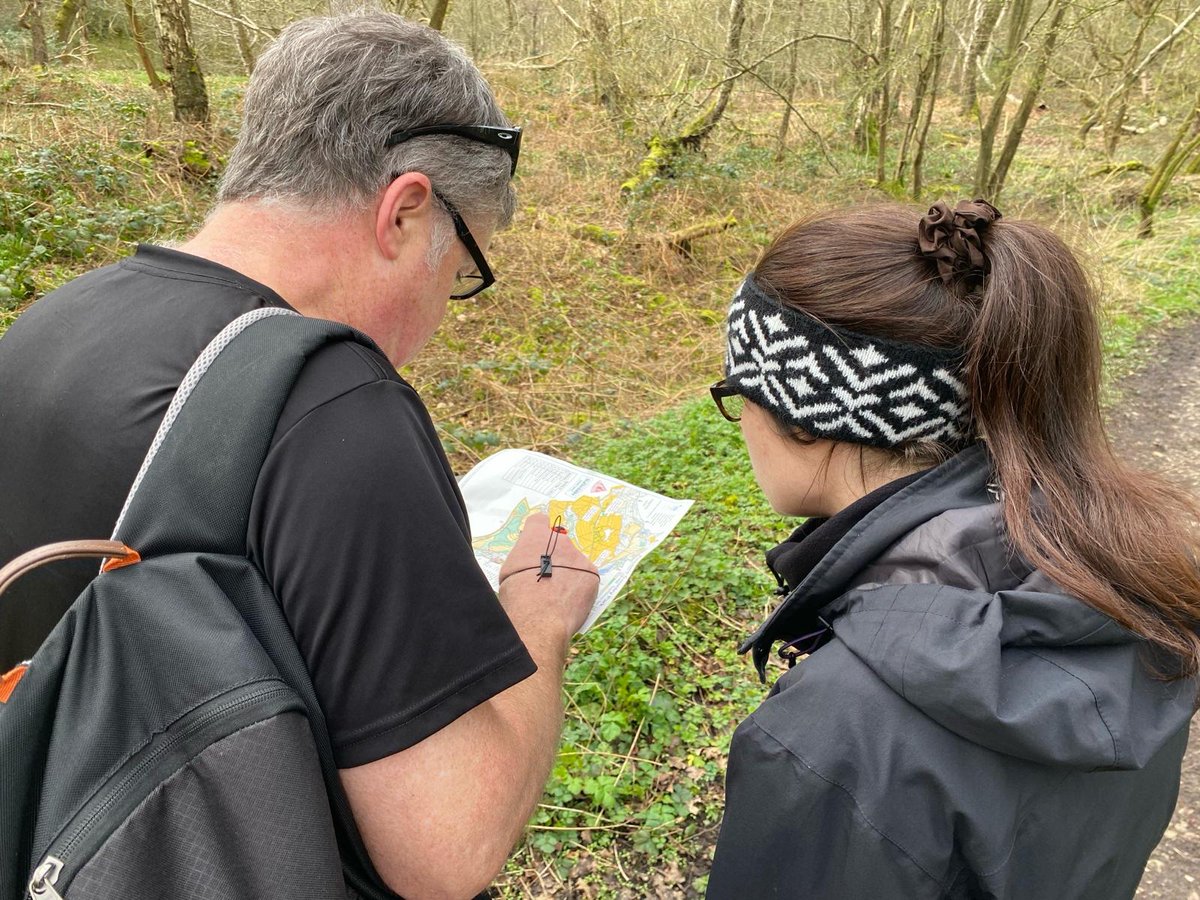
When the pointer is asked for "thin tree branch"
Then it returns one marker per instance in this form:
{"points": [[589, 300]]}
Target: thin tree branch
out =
{"points": [[241, 20], [530, 63], [531, 67], [1163, 44], [566, 15], [748, 68], [803, 121]]}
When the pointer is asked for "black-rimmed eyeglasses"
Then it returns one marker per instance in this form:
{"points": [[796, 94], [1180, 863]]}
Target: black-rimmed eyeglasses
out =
{"points": [[728, 400], [467, 285], [508, 140]]}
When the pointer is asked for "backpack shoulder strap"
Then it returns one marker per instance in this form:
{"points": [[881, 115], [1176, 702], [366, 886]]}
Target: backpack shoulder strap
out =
{"points": [[195, 486]]}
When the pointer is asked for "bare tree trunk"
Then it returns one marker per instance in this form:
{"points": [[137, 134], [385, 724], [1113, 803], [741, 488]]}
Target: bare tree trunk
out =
{"points": [[473, 17], [733, 48], [885, 89], [608, 87], [245, 50], [793, 60], [81, 28], [188, 92], [1194, 168], [957, 72], [981, 37], [71, 26], [139, 42], [64, 21], [862, 61], [1168, 165], [31, 18], [921, 88], [1018, 16], [438, 16], [924, 100], [1112, 128], [1016, 130]]}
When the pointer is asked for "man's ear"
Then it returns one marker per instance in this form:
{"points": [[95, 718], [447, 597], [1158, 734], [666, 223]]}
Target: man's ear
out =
{"points": [[403, 213]]}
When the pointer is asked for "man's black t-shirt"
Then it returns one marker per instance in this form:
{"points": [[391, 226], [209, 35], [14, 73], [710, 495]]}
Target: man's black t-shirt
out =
{"points": [[356, 522]]}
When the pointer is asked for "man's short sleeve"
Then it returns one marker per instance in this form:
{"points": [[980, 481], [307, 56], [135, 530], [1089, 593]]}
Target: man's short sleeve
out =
{"points": [[360, 529]]}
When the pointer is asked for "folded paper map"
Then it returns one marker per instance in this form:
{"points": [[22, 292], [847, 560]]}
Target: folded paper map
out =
{"points": [[615, 523]]}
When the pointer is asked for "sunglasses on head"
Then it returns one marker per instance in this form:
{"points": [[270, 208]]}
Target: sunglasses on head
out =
{"points": [[507, 139]]}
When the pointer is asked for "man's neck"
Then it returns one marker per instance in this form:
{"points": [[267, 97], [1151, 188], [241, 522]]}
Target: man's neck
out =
{"points": [[311, 264]]}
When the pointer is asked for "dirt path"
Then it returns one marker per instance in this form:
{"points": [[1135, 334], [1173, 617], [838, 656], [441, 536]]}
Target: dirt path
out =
{"points": [[1157, 426]]}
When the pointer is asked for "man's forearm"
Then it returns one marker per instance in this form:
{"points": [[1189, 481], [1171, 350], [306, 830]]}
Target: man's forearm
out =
{"points": [[532, 712], [441, 818]]}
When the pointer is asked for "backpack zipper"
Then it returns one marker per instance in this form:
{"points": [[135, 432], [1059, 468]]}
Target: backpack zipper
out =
{"points": [[45, 876], [246, 705]]}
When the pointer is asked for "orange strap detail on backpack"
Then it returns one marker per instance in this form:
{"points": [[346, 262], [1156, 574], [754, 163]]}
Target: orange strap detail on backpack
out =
{"points": [[119, 562], [9, 680]]}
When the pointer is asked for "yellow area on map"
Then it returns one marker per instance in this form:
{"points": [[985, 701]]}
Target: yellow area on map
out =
{"points": [[596, 531], [603, 534]]}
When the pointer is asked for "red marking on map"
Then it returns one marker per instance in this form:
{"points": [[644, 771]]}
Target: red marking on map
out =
{"points": [[598, 488]]}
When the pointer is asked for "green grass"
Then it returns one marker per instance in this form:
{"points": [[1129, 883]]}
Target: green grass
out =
{"points": [[1166, 269]]}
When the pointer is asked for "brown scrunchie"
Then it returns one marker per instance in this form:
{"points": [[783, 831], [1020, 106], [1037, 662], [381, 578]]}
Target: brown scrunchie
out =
{"points": [[953, 239]]}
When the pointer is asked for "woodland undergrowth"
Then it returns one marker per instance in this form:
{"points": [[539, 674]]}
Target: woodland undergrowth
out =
{"points": [[595, 345]]}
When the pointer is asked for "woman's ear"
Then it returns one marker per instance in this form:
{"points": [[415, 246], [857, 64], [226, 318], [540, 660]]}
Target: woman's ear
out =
{"points": [[403, 213]]}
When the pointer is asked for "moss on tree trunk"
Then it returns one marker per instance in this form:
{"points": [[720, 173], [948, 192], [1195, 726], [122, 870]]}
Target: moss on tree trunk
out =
{"points": [[188, 91]]}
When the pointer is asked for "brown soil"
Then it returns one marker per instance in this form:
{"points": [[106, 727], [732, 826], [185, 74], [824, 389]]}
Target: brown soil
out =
{"points": [[1156, 426]]}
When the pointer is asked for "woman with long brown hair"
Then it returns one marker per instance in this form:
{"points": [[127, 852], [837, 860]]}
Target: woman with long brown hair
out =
{"points": [[994, 620]]}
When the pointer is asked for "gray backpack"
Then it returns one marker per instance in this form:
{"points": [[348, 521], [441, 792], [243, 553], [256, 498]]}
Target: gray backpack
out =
{"points": [[165, 742]]}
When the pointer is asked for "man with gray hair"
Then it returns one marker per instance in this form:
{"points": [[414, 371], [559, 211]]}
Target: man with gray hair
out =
{"points": [[372, 168]]}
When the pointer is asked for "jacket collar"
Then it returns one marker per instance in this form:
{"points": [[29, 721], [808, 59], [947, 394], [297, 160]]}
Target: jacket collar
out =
{"points": [[791, 561], [958, 483]]}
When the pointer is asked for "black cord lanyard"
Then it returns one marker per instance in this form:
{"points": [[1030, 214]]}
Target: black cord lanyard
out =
{"points": [[545, 566]]}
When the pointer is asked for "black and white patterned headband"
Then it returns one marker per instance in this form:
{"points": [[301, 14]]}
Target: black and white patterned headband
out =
{"points": [[837, 384]]}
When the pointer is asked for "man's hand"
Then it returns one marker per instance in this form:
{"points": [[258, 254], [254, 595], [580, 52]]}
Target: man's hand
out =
{"points": [[557, 604]]}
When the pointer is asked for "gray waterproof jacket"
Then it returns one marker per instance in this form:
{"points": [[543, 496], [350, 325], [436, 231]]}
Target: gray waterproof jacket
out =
{"points": [[969, 731]]}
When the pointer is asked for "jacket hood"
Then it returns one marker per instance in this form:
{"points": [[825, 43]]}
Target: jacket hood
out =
{"points": [[925, 592]]}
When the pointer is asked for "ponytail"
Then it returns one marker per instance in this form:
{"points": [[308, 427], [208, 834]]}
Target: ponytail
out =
{"points": [[1123, 542]]}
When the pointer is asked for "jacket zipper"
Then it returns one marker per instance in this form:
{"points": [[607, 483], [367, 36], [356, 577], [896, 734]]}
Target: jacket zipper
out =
{"points": [[250, 703]]}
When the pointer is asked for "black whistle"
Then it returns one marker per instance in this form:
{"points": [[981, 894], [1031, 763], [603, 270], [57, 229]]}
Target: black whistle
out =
{"points": [[546, 569]]}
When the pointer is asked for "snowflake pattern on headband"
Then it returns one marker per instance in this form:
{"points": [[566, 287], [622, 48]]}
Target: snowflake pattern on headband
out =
{"points": [[837, 384]]}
